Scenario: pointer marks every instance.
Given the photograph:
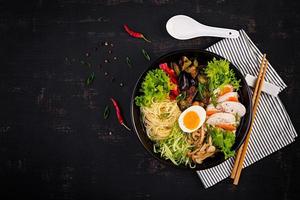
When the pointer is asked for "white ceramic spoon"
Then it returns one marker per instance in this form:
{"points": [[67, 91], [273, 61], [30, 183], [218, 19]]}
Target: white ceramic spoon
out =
{"points": [[183, 27]]}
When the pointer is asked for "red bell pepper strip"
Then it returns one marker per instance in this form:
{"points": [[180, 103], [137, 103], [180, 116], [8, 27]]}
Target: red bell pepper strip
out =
{"points": [[174, 92], [169, 71], [173, 77]]}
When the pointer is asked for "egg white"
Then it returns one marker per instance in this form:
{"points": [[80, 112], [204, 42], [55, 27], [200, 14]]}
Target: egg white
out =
{"points": [[200, 111]]}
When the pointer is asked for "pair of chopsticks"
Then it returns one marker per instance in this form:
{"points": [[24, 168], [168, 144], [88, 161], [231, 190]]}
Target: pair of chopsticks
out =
{"points": [[240, 157]]}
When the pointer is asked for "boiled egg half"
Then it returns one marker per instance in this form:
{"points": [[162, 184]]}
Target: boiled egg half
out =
{"points": [[192, 119]]}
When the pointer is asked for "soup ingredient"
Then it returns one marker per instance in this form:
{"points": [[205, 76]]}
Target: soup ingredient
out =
{"points": [[134, 33], [226, 126], [159, 118], [224, 90], [176, 68], [193, 71], [211, 109], [222, 139], [118, 113], [230, 96], [202, 91], [106, 112], [202, 79], [184, 82], [175, 147], [202, 146], [193, 82], [235, 108], [90, 79], [195, 62], [146, 55], [190, 95], [190, 66], [232, 107], [196, 103], [222, 120], [181, 96], [219, 74], [170, 72], [185, 63], [213, 99], [192, 119], [174, 92], [155, 88]]}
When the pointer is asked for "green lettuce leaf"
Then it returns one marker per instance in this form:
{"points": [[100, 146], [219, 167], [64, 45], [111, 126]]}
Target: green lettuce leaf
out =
{"points": [[222, 139], [156, 86], [220, 74]]}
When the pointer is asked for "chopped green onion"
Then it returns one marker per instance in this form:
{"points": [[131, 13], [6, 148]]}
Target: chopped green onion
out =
{"points": [[128, 61], [146, 55], [106, 112], [90, 79], [87, 64], [181, 96]]}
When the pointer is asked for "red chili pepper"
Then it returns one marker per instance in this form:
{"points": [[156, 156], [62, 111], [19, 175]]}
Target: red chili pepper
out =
{"points": [[135, 34], [169, 71], [118, 112]]}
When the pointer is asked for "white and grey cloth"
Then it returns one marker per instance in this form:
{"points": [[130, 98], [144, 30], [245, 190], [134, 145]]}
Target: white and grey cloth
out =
{"points": [[272, 128]]}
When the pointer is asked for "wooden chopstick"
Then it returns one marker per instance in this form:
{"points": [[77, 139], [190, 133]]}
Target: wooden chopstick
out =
{"points": [[258, 81], [236, 172], [257, 95]]}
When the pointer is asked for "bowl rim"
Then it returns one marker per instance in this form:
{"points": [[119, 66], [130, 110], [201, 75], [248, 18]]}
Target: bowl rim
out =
{"points": [[132, 104]]}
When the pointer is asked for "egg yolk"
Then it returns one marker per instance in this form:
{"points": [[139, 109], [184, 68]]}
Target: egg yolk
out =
{"points": [[191, 120]]}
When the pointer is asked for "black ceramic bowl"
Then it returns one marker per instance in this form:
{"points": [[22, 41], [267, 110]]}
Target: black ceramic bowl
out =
{"points": [[203, 57]]}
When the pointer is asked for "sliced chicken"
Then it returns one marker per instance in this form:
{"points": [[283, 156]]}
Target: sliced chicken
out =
{"points": [[227, 107], [211, 109], [225, 121], [221, 118], [230, 96], [232, 107], [225, 89]]}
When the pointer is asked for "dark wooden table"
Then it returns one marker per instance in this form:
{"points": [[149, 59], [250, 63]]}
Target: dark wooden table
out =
{"points": [[54, 142]]}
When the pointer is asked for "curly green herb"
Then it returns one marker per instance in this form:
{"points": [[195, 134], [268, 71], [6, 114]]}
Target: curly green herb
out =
{"points": [[222, 139], [156, 86], [219, 74]]}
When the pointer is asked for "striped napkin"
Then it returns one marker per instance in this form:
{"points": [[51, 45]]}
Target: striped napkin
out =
{"points": [[272, 128]]}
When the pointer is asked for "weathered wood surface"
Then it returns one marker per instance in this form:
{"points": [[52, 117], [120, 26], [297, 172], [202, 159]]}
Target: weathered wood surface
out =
{"points": [[54, 142]]}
